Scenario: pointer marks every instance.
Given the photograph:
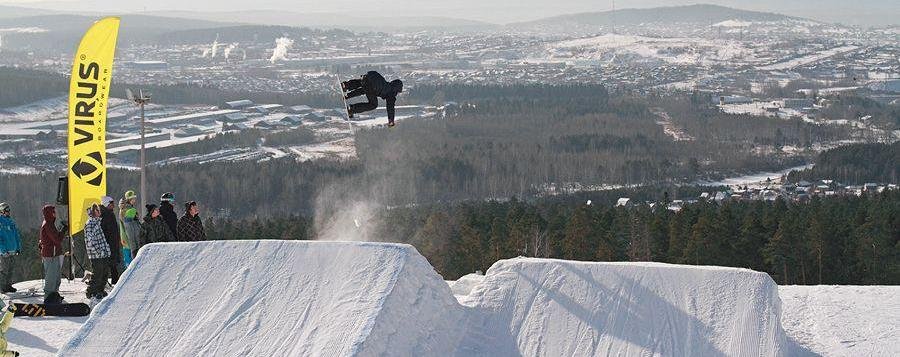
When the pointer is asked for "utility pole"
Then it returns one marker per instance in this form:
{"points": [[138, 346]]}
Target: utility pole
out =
{"points": [[613, 14], [141, 100]]}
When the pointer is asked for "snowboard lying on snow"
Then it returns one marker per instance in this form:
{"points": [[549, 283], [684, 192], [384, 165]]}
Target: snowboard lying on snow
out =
{"points": [[39, 310]]}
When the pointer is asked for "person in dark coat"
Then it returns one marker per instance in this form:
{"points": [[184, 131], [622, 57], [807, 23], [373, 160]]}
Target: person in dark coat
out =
{"points": [[167, 211], [110, 225], [190, 227], [153, 230], [373, 85]]}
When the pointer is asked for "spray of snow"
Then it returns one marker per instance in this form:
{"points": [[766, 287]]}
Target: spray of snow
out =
{"points": [[205, 53], [352, 220], [282, 45], [345, 210], [228, 50], [1, 43]]}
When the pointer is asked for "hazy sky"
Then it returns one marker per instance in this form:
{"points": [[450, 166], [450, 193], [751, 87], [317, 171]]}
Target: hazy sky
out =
{"points": [[497, 11]]}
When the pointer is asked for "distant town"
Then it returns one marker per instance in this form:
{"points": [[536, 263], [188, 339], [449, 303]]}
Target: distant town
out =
{"points": [[759, 65]]}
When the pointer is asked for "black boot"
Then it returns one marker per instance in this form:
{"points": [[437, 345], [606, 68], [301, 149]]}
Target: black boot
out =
{"points": [[53, 299]]}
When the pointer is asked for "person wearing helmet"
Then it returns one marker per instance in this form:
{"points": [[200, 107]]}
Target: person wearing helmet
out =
{"points": [[167, 212], [10, 245], [373, 85], [110, 226], [131, 225]]}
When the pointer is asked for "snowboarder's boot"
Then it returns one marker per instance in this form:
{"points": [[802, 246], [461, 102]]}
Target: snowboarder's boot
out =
{"points": [[349, 112], [53, 299]]}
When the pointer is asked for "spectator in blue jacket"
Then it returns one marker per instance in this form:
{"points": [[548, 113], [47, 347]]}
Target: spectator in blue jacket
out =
{"points": [[10, 245]]}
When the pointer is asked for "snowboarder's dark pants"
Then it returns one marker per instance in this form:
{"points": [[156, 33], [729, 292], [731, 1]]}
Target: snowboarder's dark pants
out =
{"points": [[364, 107], [114, 271], [359, 87], [101, 274]]}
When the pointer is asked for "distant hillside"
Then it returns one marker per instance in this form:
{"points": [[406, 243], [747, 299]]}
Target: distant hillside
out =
{"points": [[705, 14], [8, 12], [245, 33], [331, 20], [845, 164], [62, 32]]}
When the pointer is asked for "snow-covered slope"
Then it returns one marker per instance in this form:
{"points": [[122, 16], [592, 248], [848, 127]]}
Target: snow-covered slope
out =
{"points": [[843, 320], [542, 307], [42, 336], [289, 298], [274, 298]]}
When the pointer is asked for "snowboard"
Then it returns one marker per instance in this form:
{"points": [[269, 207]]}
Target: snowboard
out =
{"points": [[40, 310], [343, 97], [21, 294]]}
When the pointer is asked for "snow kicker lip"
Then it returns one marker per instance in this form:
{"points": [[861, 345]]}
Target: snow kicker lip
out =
{"points": [[363, 299]]}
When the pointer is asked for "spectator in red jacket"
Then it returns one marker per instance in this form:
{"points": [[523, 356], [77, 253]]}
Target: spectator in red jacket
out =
{"points": [[51, 255]]}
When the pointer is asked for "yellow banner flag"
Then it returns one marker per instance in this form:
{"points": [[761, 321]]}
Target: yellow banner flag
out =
{"points": [[88, 95]]}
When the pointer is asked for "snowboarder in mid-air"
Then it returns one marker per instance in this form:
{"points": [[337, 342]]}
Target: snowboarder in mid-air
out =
{"points": [[373, 86]]}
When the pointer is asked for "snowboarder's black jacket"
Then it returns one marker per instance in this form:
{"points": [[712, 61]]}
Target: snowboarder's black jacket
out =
{"points": [[110, 226], [376, 84], [167, 213]]}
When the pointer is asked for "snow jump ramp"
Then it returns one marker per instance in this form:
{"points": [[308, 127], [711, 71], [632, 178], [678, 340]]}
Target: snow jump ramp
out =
{"points": [[546, 307], [273, 298], [292, 298]]}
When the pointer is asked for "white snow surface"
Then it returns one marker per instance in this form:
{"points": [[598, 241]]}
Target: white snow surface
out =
{"points": [[289, 298], [273, 298], [42, 336], [842, 320], [808, 59], [363, 299], [614, 47], [544, 307]]}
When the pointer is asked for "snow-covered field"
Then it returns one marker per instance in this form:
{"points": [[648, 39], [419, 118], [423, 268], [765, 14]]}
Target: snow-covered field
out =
{"points": [[808, 59], [609, 47], [55, 108], [757, 179], [343, 298]]}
